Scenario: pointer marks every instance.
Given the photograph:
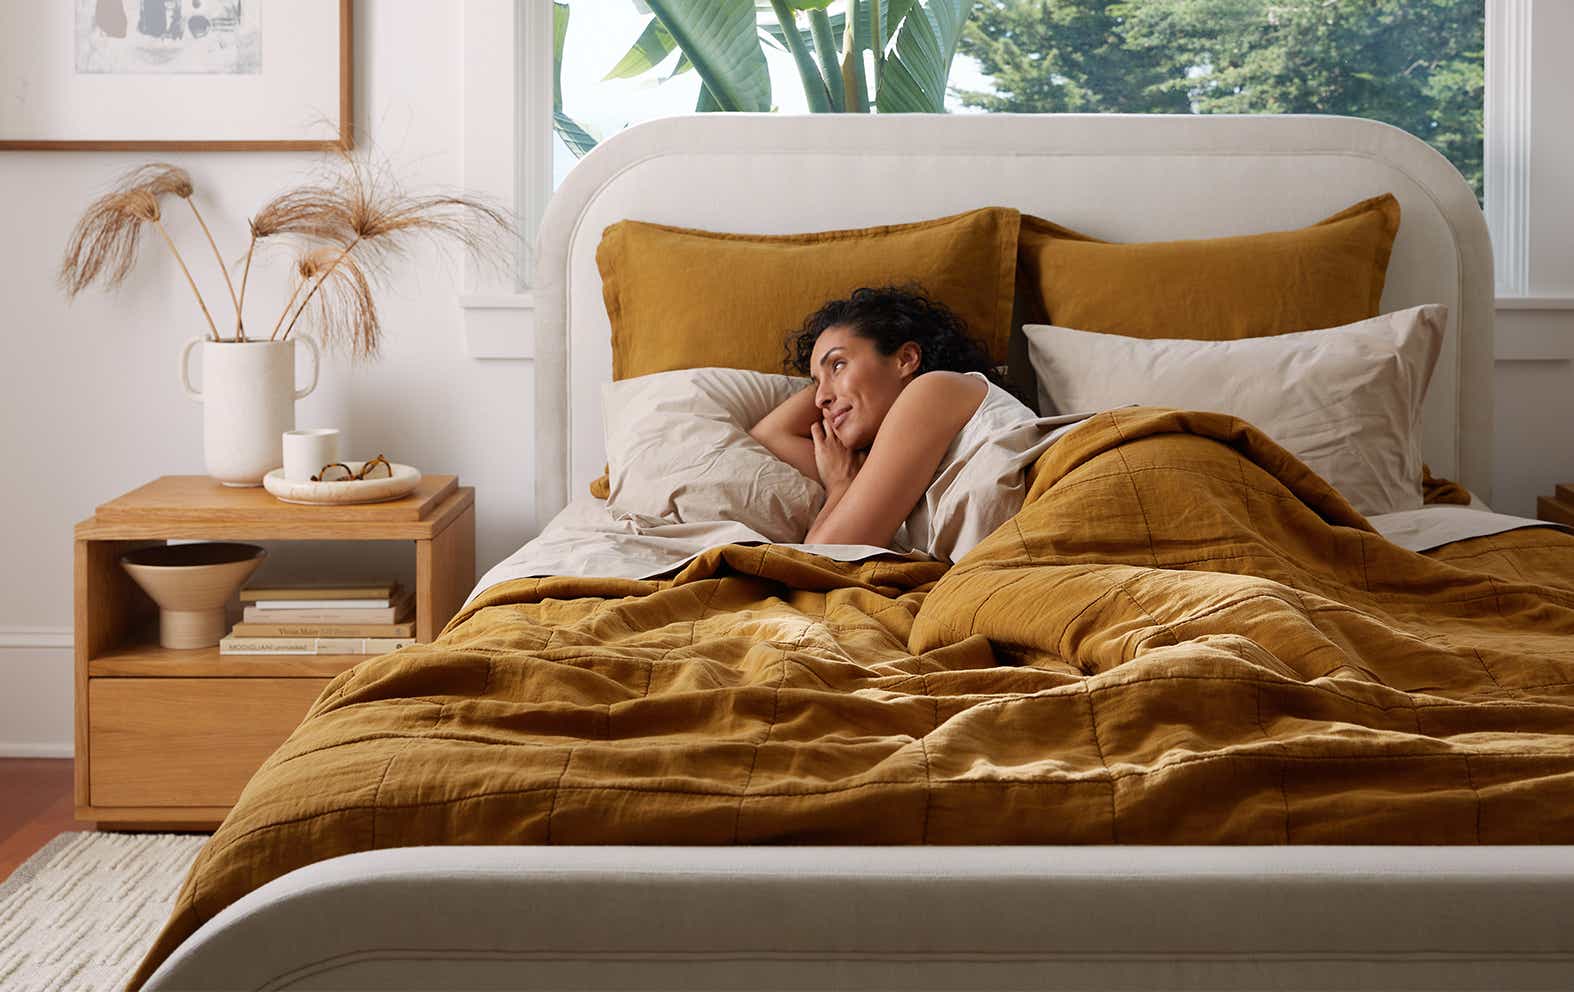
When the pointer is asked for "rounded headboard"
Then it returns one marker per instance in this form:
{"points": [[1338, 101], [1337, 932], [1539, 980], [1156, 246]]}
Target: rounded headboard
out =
{"points": [[1138, 177]]}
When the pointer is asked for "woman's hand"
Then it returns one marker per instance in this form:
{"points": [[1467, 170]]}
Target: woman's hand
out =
{"points": [[785, 431], [837, 465]]}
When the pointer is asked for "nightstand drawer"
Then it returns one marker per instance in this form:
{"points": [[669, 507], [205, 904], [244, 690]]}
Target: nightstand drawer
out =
{"points": [[187, 742]]}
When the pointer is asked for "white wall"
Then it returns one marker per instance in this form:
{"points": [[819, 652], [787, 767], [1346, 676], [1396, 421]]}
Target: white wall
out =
{"points": [[92, 406], [1535, 371], [90, 399]]}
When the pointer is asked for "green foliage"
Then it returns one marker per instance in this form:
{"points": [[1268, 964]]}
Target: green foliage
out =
{"points": [[721, 38], [1065, 56], [578, 140], [911, 43], [1416, 64], [913, 74]]}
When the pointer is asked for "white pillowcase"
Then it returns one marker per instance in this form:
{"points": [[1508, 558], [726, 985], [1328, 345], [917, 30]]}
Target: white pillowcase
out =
{"points": [[1345, 400], [679, 451]]}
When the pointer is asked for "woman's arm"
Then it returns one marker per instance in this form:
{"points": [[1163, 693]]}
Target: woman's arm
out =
{"points": [[881, 491], [785, 431]]}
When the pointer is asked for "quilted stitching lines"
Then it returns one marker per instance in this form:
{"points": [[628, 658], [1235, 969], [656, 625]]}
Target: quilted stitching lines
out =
{"points": [[776, 699], [1284, 797], [1136, 492], [1109, 774]]}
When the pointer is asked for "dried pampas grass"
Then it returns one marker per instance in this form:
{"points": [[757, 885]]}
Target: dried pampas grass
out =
{"points": [[348, 224], [364, 211], [309, 212], [104, 242], [344, 307]]}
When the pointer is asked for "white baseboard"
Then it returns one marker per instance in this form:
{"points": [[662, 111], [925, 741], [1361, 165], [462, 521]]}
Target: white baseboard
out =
{"points": [[35, 637], [35, 691], [37, 749]]}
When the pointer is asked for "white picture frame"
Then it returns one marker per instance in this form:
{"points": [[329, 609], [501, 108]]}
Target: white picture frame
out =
{"points": [[193, 75]]}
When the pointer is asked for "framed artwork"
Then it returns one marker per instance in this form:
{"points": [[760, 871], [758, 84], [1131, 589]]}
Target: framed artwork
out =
{"points": [[192, 75]]}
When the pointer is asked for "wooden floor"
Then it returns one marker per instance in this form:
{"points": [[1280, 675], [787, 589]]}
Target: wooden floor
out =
{"points": [[35, 807]]}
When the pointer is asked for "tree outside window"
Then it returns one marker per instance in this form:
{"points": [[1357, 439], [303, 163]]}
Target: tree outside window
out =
{"points": [[1416, 64]]}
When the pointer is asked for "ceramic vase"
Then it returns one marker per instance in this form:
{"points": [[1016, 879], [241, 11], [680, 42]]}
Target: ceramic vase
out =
{"points": [[248, 399], [193, 585]]}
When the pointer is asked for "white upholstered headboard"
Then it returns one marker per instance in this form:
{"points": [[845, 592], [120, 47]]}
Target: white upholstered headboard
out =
{"points": [[1115, 176]]}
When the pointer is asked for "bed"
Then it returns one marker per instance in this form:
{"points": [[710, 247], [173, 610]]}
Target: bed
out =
{"points": [[1392, 808]]}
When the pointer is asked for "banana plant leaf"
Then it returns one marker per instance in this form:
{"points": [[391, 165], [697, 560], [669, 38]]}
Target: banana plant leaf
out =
{"points": [[652, 46], [913, 75], [575, 137], [721, 38], [779, 36], [895, 10], [815, 89]]}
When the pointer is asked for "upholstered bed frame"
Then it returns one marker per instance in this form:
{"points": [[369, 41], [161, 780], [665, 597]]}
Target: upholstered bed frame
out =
{"points": [[1118, 177], [1001, 917]]}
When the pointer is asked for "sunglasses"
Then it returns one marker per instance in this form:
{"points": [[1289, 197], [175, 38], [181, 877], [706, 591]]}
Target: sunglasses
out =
{"points": [[377, 468]]}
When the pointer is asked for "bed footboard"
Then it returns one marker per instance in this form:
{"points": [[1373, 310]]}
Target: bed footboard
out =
{"points": [[898, 918]]}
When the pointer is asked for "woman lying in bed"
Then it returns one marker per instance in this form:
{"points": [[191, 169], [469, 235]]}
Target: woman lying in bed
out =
{"points": [[896, 379]]}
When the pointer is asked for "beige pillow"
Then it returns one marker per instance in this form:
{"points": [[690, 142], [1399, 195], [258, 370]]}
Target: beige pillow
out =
{"points": [[679, 451], [1345, 400]]}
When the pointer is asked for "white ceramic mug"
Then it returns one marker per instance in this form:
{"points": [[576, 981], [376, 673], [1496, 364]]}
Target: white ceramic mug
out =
{"points": [[307, 451]]}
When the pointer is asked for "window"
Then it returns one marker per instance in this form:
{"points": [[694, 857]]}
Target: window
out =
{"points": [[1416, 64], [617, 66], [1422, 65]]}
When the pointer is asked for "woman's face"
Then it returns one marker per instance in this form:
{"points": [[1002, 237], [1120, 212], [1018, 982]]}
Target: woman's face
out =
{"points": [[855, 385]]}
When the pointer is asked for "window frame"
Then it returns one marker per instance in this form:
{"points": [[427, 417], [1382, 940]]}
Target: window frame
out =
{"points": [[1506, 140], [508, 91]]}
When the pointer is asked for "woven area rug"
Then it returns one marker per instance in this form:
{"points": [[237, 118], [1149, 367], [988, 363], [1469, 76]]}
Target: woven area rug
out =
{"points": [[77, 916]]}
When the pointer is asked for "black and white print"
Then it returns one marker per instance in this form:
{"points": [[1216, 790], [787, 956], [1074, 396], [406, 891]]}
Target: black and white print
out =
{"points": [[215, 37]]}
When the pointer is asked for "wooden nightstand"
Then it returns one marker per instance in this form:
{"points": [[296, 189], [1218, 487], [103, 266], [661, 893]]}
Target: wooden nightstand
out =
{"points": [[166, 739], [1558, 508]]}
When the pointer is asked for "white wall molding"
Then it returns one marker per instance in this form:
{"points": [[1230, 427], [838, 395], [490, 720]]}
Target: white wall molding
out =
{"points": [[35, 691], [500, 325], [12, 637], [1507, 141], [36, 749], [1535, 333], [534, 42], [1535, 303]]}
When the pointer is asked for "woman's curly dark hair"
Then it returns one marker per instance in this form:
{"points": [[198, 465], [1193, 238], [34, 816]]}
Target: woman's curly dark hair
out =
{"points": [[891, 316]]}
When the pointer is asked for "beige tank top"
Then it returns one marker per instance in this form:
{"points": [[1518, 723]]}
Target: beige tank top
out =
{"points": [[982, 476]]}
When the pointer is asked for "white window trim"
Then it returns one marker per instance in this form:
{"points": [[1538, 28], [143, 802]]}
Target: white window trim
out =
{"points": [[508, 154], [507, 139], [1506, 153]]}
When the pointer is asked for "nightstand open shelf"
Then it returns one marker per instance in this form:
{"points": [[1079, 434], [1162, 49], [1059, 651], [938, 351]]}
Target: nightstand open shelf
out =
{"points": [[143, 657], [1559, 507], [167, 738]]}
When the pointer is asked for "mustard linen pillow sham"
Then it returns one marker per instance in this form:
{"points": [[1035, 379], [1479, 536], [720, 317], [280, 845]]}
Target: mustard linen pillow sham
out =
{"points": [[683, 298], [1212, 289]]}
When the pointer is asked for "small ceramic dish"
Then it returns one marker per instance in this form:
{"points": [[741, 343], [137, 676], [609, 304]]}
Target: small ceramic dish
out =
{"points": [[399, 484]]}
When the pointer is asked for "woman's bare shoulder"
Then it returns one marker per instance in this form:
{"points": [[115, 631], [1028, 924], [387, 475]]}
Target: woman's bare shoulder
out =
{"points": [[944, 388]]}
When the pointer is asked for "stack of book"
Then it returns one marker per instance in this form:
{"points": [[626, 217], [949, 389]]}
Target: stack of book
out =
{"points": [[373, 618]]}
